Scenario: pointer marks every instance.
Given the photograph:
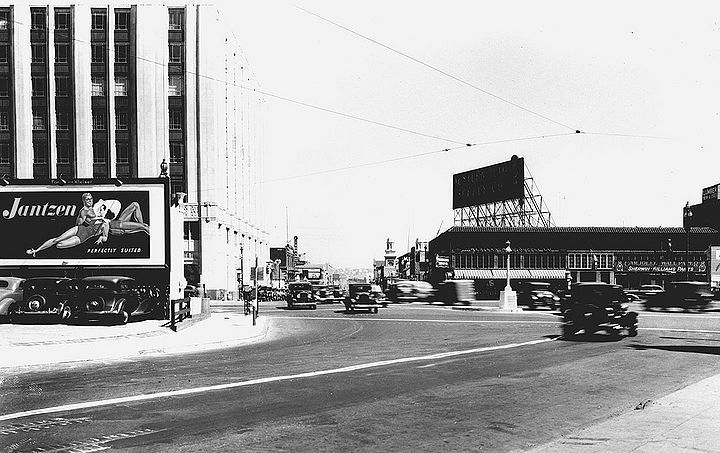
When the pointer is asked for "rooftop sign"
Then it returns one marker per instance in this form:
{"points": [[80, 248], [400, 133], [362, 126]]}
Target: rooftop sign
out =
{"points": [[498, 182]]}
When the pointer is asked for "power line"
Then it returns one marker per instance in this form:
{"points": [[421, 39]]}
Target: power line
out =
{"points": [[414, 156], [427, 65]]}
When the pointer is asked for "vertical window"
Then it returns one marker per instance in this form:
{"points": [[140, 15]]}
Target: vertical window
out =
{"points": [[4, 153], [177, 152], [99, 152], [4, 121], [62, 52], [63, 150], [122, 152], [121, 86], [121, 52], [98, 86], [4, 87], [121, 121], [62, 19], [99, 18], [176, 17], [175, 85], [98, 53], [175, 52], [4, 53], [38, 86], [62, 86], [63, 120], [176, 120], [122, 19], [4, 20], [37, 19], [39, 152], [38, 53], [98, 120], [38, 120]]}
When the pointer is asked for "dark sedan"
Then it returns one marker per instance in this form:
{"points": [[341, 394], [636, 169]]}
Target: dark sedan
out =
{"points": [[48, 296], [685, 295], [116, 297]]}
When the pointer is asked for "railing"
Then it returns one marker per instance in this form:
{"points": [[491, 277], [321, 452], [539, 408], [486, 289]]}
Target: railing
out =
{"points": [[179, 310]]}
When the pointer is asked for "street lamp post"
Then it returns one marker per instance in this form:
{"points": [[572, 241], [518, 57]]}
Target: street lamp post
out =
{"points": [[508, 297], [687, 216]]}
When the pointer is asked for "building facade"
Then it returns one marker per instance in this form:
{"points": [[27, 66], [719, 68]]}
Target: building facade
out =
{"points": [[111, 91]]}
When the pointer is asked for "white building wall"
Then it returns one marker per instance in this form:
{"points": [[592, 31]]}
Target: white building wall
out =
{"points": [[22, 126], [83, 109]]}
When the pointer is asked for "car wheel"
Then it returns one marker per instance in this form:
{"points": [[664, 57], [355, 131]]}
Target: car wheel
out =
{"points": [[313, 307], [632, 332], [124, 316], [375, 310], [36, 302], [568, 330]]}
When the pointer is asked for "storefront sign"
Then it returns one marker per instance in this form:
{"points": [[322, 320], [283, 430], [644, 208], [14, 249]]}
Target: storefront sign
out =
{"points": [[442, 261], [668, 267], [50, 225], [711, 193]]}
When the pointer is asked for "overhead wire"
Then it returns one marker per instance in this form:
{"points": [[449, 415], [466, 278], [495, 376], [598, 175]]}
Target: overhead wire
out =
{"points": [[436, 69]]}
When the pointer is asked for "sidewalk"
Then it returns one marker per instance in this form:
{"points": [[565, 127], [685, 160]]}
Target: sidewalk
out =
{"points": [[38, 344], [685, 421]]}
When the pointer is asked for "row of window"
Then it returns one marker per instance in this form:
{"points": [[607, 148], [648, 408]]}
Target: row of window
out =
{"points": [[38, 53], [590, 260], [176, 19], [122, 152], [97, 88], [491, 261]]}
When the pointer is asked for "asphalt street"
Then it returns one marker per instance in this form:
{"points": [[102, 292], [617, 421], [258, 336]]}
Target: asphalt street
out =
{"points": [[410, 378]]}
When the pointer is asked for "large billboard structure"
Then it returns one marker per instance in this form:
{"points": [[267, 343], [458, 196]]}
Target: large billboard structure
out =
{"points": [[85, 223], [498, 195]]}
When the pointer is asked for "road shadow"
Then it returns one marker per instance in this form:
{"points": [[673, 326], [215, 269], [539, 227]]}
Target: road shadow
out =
{"points": [[593, 338], [712, 350]]}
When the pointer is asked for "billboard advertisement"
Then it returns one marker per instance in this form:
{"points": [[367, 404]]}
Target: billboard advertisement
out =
{"points": [[499, 182], [84, 223], [711, 193], [715, 266]]}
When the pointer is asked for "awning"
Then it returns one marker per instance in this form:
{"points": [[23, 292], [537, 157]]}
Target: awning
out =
{"points": [[515, 274]]}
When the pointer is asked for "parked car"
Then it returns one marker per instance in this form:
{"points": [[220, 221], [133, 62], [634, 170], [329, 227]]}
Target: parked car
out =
{"points": [[536, 294], [685, 295], [116, 297], [410, 291], [48, 296], [300, 294], [360, 297], [11, 295], [594, 307]]}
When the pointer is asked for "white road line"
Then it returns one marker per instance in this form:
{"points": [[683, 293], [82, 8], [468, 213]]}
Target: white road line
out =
{"points": [[192, 391], [685, 315], [666, 329], [458, 321]]}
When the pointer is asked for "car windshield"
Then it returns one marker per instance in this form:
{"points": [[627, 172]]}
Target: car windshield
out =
{"points": [[360, 288], [97, 285]]}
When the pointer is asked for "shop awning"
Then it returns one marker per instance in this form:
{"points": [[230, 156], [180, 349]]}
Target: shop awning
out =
{"points": [[515, 274]]}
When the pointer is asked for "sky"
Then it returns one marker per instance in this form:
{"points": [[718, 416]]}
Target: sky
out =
{"points": [[394, 79]]}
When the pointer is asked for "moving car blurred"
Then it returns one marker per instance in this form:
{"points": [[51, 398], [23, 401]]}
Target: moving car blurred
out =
{"points": [[360, 297], [536, 294], [685, 295], [300, 294], [410, 291], [11, 294], [646, 291], [116, 297], [48, 296], [378, 294], [593, 307], [452, 292]]}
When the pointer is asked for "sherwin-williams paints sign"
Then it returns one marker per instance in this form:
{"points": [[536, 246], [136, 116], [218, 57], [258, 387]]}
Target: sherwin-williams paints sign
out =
{"points": [[87, 224]]}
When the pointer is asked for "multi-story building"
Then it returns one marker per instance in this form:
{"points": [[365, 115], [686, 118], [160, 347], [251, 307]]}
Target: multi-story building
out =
{"points": [[111, 91]]}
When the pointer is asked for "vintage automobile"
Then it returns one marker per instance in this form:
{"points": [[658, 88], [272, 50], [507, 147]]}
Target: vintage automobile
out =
{"points": [[685, 295], [11, 295], [300, 294], [116, 297], [48, 296], [360, 297], [410, 291], [536, 294], [452, 292], [594, 307]]}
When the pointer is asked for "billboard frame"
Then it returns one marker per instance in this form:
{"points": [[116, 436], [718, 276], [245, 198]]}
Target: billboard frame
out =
{"points": [[158, 190]]}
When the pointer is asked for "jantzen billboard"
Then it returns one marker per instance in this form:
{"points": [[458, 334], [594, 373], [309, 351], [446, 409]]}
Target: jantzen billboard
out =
{"points": [[498, 182], [84, 223]]}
